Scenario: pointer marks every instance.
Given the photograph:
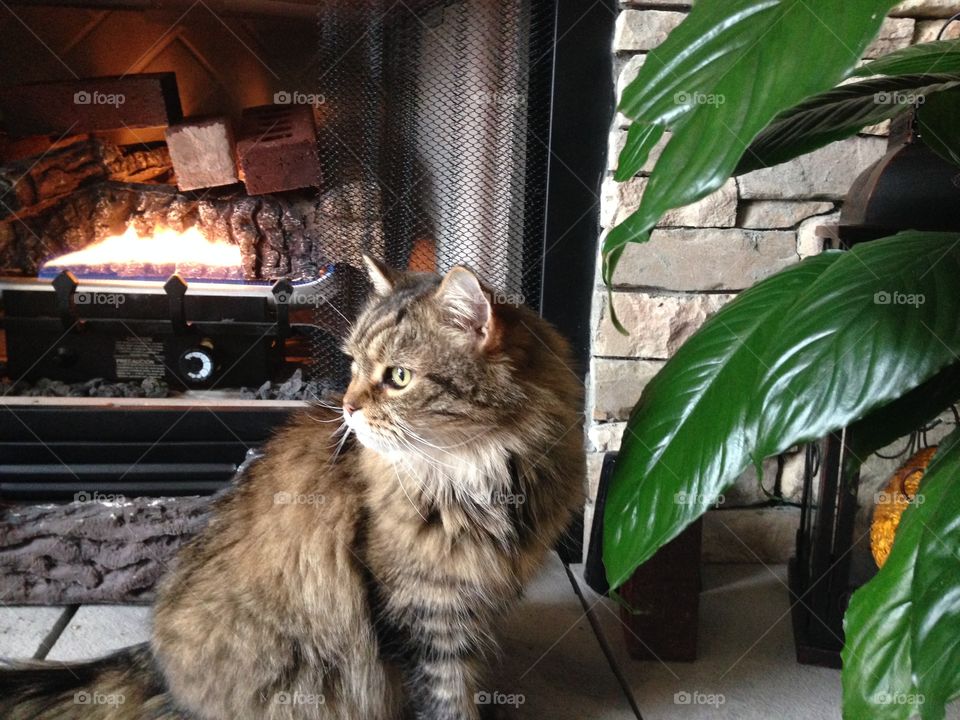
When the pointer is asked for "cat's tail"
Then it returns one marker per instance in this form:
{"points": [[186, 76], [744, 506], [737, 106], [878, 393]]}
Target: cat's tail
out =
{"points": [[125, 685]]}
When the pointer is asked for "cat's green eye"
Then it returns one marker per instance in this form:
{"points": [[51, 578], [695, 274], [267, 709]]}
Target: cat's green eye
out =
{"points": [[398, 377]]}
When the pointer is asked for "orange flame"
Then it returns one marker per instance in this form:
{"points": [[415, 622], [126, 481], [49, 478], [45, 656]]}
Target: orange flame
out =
{"points": [[167, 251]]}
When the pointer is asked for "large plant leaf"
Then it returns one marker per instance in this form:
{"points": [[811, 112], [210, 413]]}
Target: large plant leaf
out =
{"points": [[720, 77], [640, 141], [876, 651], [902, 628], [680, 437], [939, 128], [942, 56], [847, 351], [838, 114], [935, 638], [803, 353]]}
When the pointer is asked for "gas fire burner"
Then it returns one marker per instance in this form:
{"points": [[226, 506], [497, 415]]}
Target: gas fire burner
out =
{"points": [[193, 335]]}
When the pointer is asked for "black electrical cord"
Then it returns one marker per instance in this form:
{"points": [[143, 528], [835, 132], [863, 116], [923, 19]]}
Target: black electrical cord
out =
{"points": [[604, 643], [952, 18]]}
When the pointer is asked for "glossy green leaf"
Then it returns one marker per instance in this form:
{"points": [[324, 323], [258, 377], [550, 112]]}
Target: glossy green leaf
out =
{"points": [[640, 141], [872, 328], [902, 628], [935, 626], [838, 114], [942, 56], [721, 76], [939, 126], [686, 437], [802, 353], [876, 676]]}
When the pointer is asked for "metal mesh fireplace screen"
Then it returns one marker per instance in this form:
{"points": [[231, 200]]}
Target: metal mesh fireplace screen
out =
{"points": [[435, 134]]}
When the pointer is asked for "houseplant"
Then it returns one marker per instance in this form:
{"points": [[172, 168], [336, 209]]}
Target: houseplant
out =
{"points": [[746, 386]]}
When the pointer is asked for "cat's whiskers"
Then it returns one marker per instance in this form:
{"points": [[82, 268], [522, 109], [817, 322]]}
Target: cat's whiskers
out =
{"points": [[460, 458], [430, 491], [419, 476], [412, 503], [426, 457], [454, 489], [318, 420], [397, 450], [441, 475], [410, 431], [401, 436], [446, 489], [345, 429]]}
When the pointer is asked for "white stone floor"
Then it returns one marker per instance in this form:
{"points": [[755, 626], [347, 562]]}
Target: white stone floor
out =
{"points": [[552, 662]]}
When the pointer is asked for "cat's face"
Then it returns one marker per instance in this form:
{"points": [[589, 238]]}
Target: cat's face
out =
{"points": [[428, 375]]}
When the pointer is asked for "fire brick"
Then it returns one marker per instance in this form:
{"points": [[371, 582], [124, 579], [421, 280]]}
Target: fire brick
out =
{"points": [[202, 152], [90, 104], [277, 149]]}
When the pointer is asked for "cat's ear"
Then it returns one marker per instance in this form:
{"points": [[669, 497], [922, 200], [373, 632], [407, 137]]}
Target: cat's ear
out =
{"points": [[383, 278], [466, 301]]}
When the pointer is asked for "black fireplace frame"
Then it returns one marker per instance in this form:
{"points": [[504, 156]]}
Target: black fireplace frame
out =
{"points": [[582, 89]]}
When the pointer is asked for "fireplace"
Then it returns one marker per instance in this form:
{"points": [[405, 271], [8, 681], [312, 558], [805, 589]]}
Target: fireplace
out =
{"points": [[186, 191]]}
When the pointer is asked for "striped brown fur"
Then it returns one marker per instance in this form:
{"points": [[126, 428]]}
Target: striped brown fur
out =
{"points": [[358, 571]]}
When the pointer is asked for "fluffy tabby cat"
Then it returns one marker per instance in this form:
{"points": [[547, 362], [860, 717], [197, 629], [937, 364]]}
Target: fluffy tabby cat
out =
{"points": [[362, 580]]}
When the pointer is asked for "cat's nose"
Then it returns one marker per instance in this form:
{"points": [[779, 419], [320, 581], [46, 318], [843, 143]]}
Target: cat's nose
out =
{"points": [[352, 398]]}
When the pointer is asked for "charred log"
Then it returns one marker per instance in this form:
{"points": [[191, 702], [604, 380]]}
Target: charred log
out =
{"points": [[103, 550], [32, 184], [82, 193]]}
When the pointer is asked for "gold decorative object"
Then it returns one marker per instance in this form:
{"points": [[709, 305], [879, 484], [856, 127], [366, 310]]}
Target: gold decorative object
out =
{"points": [[893, 500]]}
